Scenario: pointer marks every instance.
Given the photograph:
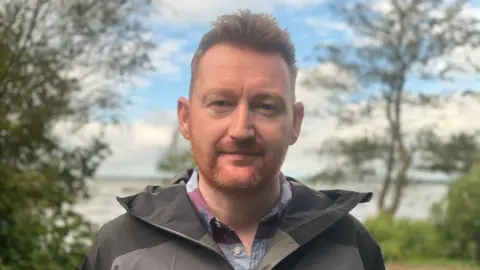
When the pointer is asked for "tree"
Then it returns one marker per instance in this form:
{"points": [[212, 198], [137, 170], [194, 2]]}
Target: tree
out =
{"points": [[455, 155], [458, 215], [176, 159], [406, 41], [49, 52]]}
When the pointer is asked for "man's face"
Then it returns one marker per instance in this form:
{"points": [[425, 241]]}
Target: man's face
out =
{"points": [[241, 117]]}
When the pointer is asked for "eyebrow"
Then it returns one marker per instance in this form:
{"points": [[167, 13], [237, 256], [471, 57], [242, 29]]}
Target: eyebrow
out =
{"points": [[228, 93], [265, 95], [217, 92]]}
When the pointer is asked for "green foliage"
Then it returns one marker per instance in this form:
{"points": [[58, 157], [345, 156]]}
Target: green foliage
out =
{"points": [[48, 50], [356, 155], [175, 160], [405, 239], [455, 155], [451, 233], [458, 216]]}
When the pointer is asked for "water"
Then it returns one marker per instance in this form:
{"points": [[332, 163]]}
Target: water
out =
{"points": [[103, 206]]}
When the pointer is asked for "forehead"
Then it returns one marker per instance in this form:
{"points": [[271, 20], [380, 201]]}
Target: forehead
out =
{"points": [[229, 68]]}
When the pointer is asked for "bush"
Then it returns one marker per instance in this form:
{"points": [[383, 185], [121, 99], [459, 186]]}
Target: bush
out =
{"points": [[406, 239], [458, 216], [451, 233]]}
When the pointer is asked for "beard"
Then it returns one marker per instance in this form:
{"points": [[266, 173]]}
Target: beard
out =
{"points": [[232, 179], [236, 176], [238, 182]]}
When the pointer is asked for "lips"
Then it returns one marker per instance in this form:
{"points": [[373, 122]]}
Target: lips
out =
{"points": [[241, 153], [246, 151]]}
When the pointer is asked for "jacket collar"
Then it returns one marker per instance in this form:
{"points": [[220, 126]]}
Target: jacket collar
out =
{"points": [[308, 213]]}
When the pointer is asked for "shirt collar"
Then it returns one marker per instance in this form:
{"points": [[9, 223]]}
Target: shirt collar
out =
{"points": [[208, 218]]}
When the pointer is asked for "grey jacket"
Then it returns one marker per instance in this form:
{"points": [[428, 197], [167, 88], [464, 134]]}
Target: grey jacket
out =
{"points": [[161, 231]]}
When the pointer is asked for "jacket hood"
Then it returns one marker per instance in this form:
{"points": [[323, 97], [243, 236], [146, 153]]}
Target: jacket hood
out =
{"points": [[308, 212]]}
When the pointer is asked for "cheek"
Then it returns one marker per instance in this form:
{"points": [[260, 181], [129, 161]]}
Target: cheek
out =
{"points": [[203, 139], [276, 140]]}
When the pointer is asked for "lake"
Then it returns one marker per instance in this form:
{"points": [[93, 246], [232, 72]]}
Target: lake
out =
{"points": [[102, 206]]}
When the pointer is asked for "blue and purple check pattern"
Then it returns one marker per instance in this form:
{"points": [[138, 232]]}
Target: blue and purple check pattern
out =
{"points": [[227, 239]]}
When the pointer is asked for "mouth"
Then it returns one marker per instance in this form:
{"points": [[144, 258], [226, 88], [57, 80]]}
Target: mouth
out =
{"points": [[241, 154]]}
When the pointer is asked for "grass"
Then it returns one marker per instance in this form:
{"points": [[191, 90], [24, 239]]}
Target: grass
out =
{"points": [[433, 265], [427, 267]]}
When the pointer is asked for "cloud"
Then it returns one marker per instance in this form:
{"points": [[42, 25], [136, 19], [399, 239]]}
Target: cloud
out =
{"points": [[186, 12], [322, 24], [459, 56], [169, 57], [301, 159], [136, 146], [454, 114], [470, 10], [328, 31]]}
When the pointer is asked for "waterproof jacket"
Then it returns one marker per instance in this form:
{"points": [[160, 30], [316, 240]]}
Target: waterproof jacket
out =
{"points": [[161, 231]]}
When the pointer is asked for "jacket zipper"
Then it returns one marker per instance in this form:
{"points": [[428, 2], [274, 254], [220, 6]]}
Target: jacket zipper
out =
{"points": [[185, 237]]}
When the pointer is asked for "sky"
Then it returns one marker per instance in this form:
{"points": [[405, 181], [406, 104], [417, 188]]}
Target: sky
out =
{"points": [[178, 27]]}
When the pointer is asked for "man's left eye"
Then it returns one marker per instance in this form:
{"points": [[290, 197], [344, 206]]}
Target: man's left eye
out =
{"points": [[267, 107]]}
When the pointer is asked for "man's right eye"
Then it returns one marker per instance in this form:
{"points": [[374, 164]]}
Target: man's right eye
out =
{"points": [[219, 103]]}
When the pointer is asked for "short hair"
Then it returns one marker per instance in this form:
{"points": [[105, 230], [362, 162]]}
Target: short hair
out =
{"points": [[258, 31]]}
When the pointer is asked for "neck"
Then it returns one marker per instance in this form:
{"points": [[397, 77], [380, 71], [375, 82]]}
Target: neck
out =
{"points": [[241, 210]]}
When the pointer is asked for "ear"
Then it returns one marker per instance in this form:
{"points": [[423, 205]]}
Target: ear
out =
{"points": [[183, 115], [298, 115]]}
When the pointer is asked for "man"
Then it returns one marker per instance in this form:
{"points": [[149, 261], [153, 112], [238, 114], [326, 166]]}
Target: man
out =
{"points": [[237, 210]]}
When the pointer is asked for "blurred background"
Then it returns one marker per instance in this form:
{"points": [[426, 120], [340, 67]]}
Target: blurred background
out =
{"points": [[88, 92]]}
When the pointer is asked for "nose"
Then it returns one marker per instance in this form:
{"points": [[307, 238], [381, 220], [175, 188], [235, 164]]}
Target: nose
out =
{"points": [[241, 126]]}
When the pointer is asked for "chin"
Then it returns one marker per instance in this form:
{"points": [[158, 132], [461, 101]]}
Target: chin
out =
{"points": [[238, 179]]}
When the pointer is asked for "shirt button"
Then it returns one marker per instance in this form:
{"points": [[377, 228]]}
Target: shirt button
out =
{"points": [[237, 250]]}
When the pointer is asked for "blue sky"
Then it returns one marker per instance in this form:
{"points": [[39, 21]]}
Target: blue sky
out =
{"points": [[178, 30], [163, 91]]}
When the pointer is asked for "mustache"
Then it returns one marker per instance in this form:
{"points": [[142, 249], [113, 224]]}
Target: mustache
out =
{"points": [[252, 149]]}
